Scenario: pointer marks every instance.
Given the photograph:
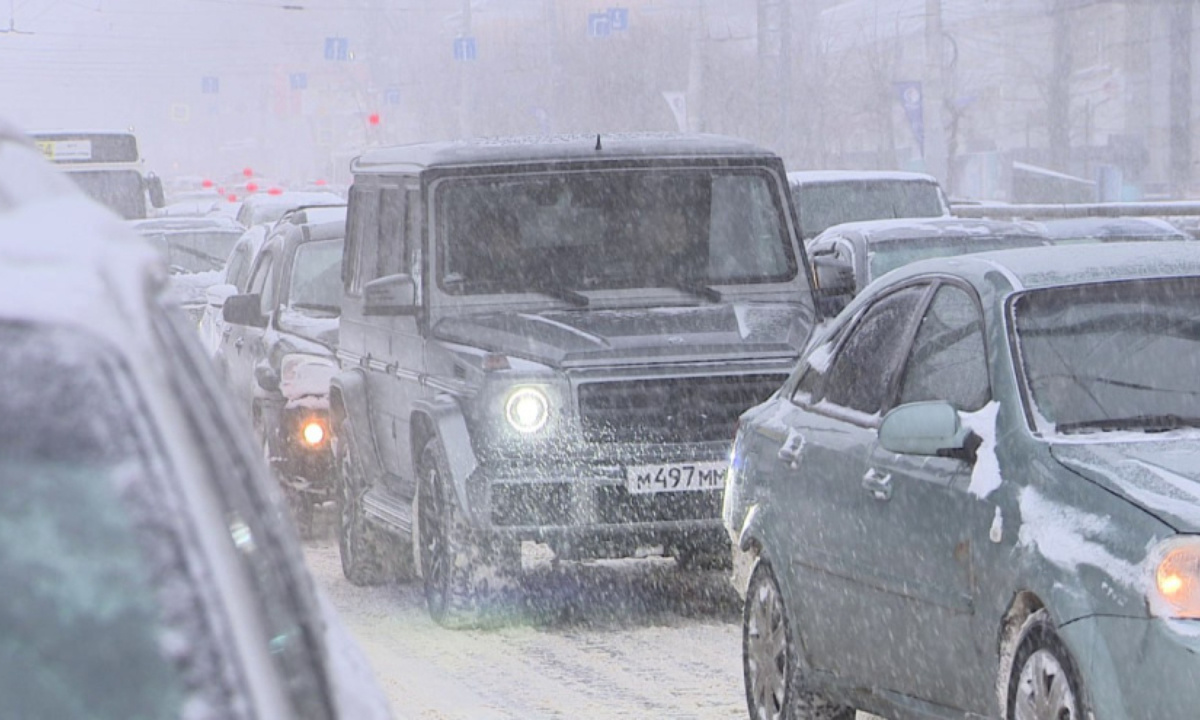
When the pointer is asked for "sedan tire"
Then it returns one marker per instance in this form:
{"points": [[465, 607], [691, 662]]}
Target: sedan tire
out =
{"points": [[769, 658], [1043, 683]]}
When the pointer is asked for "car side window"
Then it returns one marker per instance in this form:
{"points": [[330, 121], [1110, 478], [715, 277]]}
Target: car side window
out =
{"points": [[262, 283], [393, 233], [361, 263], [237, 263], [863, 369], [949, 360], [413, 223]]}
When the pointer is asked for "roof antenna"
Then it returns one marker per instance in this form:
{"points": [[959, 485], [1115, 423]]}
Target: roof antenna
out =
{"points": [[598, 142]]}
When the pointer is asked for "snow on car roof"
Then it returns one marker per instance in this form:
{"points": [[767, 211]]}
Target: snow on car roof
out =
{"points": [[899, 229], [1050, 265], [419, 156], [1103, 227], [807, 177], [186, 224]]}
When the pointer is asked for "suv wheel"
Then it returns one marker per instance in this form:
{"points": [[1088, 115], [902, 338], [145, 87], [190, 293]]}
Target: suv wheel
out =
{"points": [[467, 577], [363, 550]]}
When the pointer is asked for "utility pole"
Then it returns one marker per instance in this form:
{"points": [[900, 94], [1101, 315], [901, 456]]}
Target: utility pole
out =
{"points": [[1180, 43], [1058, 110], [934, 92], [774, 61], [464, 78]]}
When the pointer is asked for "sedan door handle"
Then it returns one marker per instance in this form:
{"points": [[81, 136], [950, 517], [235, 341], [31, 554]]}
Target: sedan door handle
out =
{"points": [[880, 486]]}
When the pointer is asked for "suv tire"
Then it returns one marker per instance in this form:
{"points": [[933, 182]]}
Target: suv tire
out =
{"points": [[363, 549], [468, 577]]}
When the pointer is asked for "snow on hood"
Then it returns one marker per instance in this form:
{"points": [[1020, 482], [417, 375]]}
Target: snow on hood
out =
{"points": [[1071, 538], [706, 332], [1161, 477]]}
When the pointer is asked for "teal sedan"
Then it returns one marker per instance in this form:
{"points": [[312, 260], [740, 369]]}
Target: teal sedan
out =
{"points": [[978, 496]]}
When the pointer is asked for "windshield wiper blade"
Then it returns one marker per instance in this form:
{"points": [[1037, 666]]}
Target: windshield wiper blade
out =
{"points": [[218, 262], [698, 289], [565, 294], [1143, 423]]}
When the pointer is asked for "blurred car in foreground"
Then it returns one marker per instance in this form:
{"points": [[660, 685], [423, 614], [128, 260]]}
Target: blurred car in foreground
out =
{"points": [[278, 354], [847, 257], [148, 569], [1062, 231], [195, 250], [982, 477], [825, 198]]}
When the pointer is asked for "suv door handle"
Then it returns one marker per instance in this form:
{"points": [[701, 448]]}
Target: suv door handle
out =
{"points": [[880, 486]]}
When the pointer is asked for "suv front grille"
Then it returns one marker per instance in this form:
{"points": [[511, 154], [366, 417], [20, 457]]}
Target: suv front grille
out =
{"points": [[670, 410]]}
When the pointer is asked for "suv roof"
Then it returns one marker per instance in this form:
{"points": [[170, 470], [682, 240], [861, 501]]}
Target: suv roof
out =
{"points": [[577, 148]]}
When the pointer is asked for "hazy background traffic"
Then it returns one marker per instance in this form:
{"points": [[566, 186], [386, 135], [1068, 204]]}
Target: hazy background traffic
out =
{"points": [[974, 91]]}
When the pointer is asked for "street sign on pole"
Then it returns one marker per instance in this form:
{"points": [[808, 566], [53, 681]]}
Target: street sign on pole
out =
{"points": [[337, 48], [391, 96], [618, 19], [298, 81], [465, 49], [210, 85], [599, 25]]}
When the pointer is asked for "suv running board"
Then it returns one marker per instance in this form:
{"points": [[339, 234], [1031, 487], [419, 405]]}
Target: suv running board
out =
{"points": [[388, 511]]}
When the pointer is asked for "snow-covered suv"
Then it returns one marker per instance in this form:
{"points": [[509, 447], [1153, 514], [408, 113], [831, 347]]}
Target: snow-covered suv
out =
{"points": [[552, 340]]}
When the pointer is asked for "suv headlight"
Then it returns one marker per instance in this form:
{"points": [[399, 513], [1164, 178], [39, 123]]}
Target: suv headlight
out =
{"points": [[527, 409], [303, 375], [1174, 590]]}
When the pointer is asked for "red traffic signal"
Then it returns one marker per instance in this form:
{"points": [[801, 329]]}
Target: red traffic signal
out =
{"points": [[373, 119]]}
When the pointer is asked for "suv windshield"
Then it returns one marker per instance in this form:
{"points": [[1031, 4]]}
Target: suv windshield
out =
{"points": [[1112, 356], [80, 567], [316, 282], [611, 229]]}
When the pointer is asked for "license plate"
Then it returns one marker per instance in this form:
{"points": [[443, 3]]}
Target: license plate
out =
{"points": [[675, 477]]}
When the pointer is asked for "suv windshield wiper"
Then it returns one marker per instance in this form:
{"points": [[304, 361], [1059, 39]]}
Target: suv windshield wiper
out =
{"points": [[697, 288], [560, 292], [215, 261], [1143, 423]]}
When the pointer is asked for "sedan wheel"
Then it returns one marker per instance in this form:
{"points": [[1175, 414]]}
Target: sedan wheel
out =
{"points": [[1043, 684]]}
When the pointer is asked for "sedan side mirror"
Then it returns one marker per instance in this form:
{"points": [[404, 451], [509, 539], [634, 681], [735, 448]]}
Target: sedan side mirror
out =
{"points": [[928, 428], [390, 295], [266, 377], [244, 310]]}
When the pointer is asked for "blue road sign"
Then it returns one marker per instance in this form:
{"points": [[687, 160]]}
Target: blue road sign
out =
{"points": [[465, 49], [599, 25], [298, 81], [337, 48], [210, 85], [391, 96], [618, 19]]}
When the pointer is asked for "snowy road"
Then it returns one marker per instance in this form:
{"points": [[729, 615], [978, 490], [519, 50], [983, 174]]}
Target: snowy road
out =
{"points": [[622, 639]]}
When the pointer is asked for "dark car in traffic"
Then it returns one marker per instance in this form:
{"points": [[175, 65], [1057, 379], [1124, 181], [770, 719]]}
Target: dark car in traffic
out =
{"points": [[550, 340], [277, 353]]}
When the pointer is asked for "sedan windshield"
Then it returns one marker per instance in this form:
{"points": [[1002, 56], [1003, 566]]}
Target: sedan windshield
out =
{"points": [[621, 229], [195, 251], [1112, 356], [887, 256]]}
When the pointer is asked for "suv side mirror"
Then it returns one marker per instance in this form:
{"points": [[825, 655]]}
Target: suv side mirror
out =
{"points": [[928, 428], [390, 295], [244, 310], [266, 377], [834, 275], [155, 188]]}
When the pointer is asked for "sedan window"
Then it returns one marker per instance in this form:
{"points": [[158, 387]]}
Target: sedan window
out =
{"points": [[862, 371], [948, 360]]}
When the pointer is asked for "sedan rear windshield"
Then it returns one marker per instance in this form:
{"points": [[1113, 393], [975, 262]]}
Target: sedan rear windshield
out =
{"points": [[87, 626], [1112, 355], [612, 229], [887, 256]]}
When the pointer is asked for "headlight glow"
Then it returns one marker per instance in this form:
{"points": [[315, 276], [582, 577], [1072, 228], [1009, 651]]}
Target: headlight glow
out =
{"points": [[1175, 590], [527, 409], [313, 433]]}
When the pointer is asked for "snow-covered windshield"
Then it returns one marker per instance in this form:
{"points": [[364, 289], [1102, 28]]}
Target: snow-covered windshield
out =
{"points": [[84, 609], [1112, 356], [887, 256], [316, 282], [615, 229], [195, 251]]}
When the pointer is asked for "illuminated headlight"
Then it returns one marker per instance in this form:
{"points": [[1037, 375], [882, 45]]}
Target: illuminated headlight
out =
{"points": [[312, 432], [1175, 584], [527, 409]]}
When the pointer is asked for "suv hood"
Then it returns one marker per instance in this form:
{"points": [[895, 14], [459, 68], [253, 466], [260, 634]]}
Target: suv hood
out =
{"points": [[1159, 476], [585, 338]]}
